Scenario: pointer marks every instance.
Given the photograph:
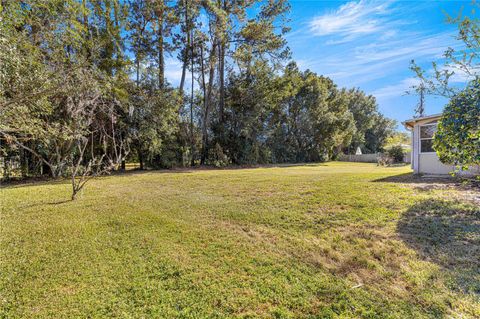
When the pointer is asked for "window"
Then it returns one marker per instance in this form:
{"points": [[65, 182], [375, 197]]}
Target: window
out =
{"points": [[426, 137]]}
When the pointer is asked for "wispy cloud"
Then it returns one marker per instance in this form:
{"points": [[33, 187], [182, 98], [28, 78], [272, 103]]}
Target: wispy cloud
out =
{"points": [[397, 89], [173, 70], [173, 74], [377, 60], [352, 20], [368, 40], [367, 62]]}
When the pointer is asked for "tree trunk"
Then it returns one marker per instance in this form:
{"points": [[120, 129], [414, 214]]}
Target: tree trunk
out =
{"points": [[221, 71], [185, 51], [191, 109], [161, 59], [74, 188], [140, 158], [138, 71], [204, 124], [184, 70], [207, 101], [109, 46], [24, 163], [222, 48], [85, 25]]}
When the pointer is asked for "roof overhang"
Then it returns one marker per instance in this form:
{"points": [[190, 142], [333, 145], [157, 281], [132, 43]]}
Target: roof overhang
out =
{"points": [[411, 123]]}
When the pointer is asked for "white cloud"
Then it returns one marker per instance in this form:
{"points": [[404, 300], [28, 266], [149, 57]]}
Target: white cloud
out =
{"points": [[173, 74], [352, 19], [396, 90], [410, 45], [400, 88], [173, 70], [366, 61], [458, 75]]}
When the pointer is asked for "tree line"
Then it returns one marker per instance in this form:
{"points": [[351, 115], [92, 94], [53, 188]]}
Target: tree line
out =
{"points": [[83, 88]]}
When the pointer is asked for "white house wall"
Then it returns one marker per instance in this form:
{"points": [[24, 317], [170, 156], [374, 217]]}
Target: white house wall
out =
{"points": [[415, 148], [429, 163]]}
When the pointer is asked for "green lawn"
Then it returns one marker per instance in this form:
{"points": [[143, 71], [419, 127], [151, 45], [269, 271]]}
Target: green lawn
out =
{"points": [[336, 240]]}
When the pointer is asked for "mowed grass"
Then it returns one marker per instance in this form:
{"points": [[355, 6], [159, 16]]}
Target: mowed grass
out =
{"points": [[336, 240]]}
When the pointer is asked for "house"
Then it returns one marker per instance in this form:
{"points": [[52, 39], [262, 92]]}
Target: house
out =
{"points": [[424, 158]]}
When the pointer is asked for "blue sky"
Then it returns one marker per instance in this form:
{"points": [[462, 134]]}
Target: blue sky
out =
{"points": [[369, 44]]}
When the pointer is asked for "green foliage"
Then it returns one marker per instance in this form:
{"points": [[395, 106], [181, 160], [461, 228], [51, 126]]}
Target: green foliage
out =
{"points": [[377, 136], [153, 125], [398, 138], [295, 117], [364, 108], [396, 153], [457, 140]]}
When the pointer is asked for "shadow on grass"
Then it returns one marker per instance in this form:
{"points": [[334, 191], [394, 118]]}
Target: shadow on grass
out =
{"points": [[411, 178], [50, 203], [181, 170], [33, 182], [446, 233], [427, 183]]}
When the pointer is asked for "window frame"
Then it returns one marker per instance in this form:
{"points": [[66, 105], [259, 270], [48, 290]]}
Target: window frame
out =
{"points": [[425, 138]]}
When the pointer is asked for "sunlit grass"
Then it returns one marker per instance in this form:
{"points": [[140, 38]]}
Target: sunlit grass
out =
{"points": [[336, 240]]}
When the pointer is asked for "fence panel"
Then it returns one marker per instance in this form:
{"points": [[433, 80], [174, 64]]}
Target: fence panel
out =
{"points": [[364, 158]]}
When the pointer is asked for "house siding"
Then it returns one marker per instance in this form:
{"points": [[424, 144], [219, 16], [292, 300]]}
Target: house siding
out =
{"points": [[429, 163]]}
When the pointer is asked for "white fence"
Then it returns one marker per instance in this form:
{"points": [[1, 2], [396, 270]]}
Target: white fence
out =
{"points": [[369, 158], [364, 158]]}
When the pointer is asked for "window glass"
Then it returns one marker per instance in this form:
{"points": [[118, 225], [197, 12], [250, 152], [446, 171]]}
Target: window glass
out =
{"points": [[427, 146], [427, 131]]}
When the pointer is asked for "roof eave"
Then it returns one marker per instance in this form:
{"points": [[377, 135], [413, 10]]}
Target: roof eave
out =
{"points": [[411, 123]]}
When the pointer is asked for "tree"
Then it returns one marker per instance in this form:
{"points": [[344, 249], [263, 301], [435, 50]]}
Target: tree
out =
{"points": [[457, 140], [61, 95], [310, 119], [377, 136], [153, 121], [363, 108], [420, 109], [398, 138]]}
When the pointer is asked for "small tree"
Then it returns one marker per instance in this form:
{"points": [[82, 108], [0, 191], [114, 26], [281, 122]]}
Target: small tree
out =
{"points": [[97, 147], [76, 135], [457, 140]]}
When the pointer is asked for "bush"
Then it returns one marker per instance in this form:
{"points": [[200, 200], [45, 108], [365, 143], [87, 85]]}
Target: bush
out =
{"points": [[396, 153], [457, 140], [218, 157], [384, 160]]}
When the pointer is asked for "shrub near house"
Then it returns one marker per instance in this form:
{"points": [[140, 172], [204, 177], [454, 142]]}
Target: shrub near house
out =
{"points": [[457, 140]]}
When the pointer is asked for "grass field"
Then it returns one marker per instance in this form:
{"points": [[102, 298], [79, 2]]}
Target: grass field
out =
{"points": [[336, 240]]}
